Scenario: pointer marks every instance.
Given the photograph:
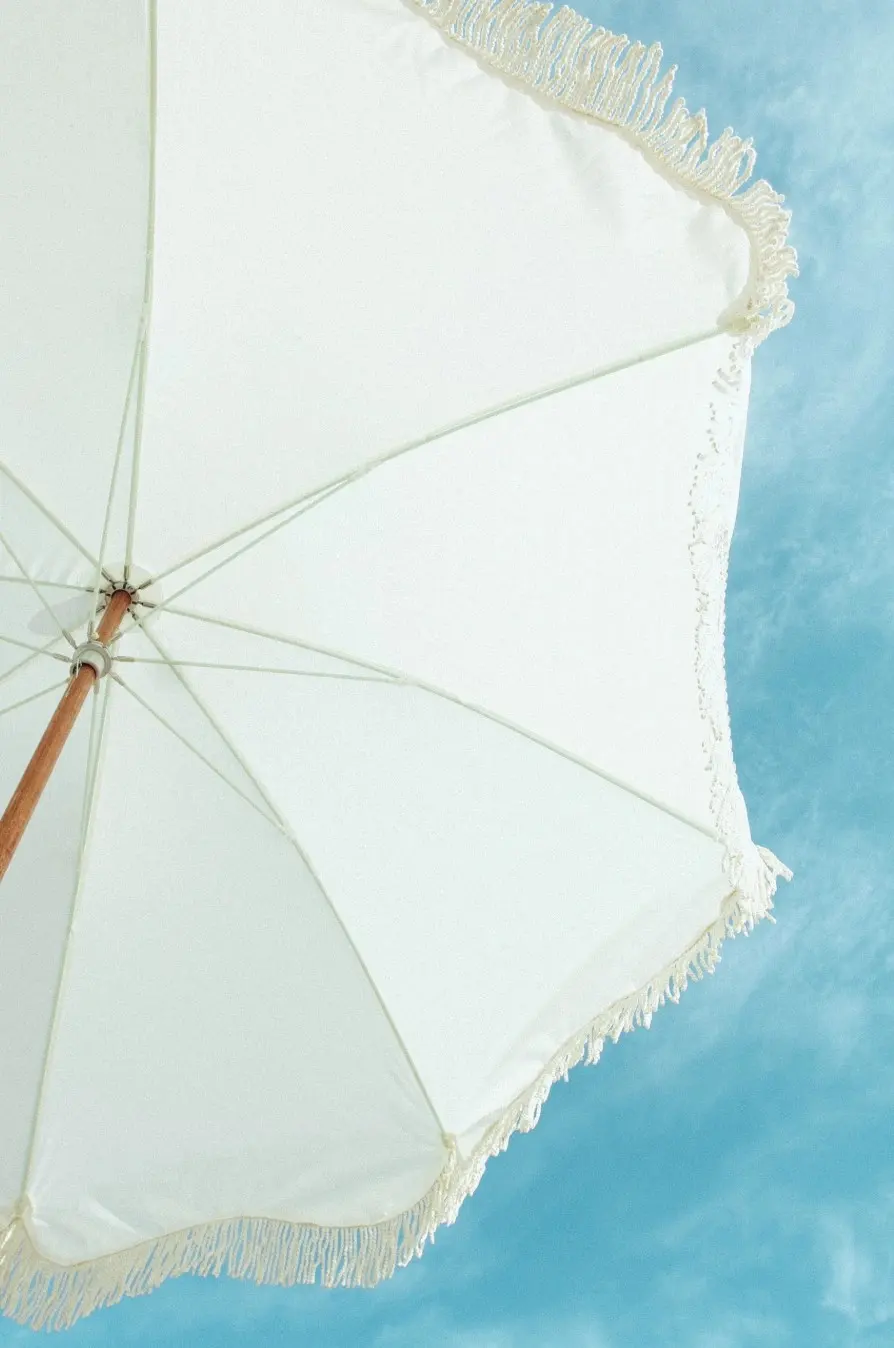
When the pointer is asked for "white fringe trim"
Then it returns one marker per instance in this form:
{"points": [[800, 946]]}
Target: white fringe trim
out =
{"points": [[753, 871], [44, 1295], [595, 72], [562, 56]]}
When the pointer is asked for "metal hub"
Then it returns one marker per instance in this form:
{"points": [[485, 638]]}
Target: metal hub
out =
{"points": [[145, 594], [94, 654]]}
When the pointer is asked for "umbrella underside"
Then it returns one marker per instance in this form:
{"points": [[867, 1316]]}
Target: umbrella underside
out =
{"points": [[413, 425]]}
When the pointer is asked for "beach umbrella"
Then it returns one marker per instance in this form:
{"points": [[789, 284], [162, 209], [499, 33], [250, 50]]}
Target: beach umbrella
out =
{"points": [[372, 399]]}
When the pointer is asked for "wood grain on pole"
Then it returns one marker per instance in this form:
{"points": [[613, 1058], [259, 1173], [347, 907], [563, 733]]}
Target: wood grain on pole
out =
{"points": [[29, 790]]}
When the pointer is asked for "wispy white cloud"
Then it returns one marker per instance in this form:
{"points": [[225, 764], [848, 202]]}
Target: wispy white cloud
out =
{"points": [[439, 1330], [859, 1249]]}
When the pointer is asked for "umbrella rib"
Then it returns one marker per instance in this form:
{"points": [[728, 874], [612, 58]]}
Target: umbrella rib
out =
{"points": [[218, 729], [403, 679], [252, 669], [330, 651], [119, 449], [14, 706], [162, 720], [38, 593], [140, 619], [54, 584], [97, 727], [14, 669], [35, 650], [319, 494], [148, 286], [284, 827], [407, 680], [53, 519], [306, 498]]}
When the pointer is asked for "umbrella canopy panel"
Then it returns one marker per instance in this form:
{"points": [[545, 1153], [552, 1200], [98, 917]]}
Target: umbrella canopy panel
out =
{"points": [[360, 235], [409, 402]]}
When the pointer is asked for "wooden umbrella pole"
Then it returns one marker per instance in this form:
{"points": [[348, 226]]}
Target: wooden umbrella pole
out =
{"points": [[29, 790]]}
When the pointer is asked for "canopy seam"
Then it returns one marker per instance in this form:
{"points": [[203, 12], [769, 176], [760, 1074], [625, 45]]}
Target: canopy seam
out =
{"points": [[148, 284], [37, 591], [163, 720], [119, 448], [253, 669], [35, 650], [23, 702], [53, 584], [318, 494], [97, 728], [401, 678], [53, 519], [267, 635], [315, 875], [14, 669]]}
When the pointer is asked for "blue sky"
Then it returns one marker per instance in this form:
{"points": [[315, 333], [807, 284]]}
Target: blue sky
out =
{"points": [[725, 1179]]}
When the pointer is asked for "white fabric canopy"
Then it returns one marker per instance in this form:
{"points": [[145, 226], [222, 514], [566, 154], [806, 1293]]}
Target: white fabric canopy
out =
{"points": [[419, 409]]}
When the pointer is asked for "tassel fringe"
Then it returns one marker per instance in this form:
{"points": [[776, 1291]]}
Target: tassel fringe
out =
{"points": [[594, 72], [45, 1295], [561, 55], [739, 915]]}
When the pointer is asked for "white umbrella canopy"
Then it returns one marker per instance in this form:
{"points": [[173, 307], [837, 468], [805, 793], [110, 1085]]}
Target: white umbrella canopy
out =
{"points": [[393, 357]]}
